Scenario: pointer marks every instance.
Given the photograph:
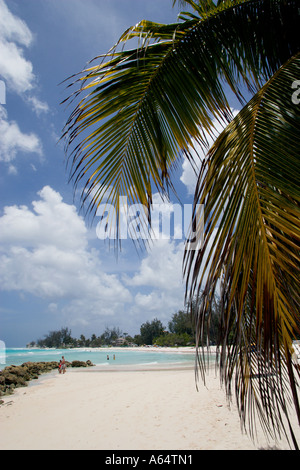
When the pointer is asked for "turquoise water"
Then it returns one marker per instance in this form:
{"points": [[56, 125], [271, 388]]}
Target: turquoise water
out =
{"points": [[126, 357]]}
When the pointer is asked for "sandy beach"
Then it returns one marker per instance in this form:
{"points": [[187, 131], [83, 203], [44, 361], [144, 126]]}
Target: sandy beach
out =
{"points": [[123, 410]]}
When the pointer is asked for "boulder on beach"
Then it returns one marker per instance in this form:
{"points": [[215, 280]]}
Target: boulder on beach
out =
{"points": [[18, 376]]}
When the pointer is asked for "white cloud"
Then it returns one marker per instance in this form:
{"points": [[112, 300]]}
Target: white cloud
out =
{"points": [[14, 68], [16, 71], [160, 271], [51, 223], [37, 105], [17, 74], [189, 176], [13, 140], [159, 282], [13, 28], [45, 253], [161, 268], [12, 170]]}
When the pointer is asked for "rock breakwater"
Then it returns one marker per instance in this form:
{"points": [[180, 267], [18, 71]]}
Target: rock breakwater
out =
{"points": [[19, 376]]}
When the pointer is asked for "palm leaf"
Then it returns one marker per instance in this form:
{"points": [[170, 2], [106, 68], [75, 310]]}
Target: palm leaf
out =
{"points": [[140, 109], [250, 188]]}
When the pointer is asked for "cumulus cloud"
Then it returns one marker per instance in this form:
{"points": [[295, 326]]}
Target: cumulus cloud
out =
{"points": [[161, 268], [158, 282], [12, 27], [189, 176], [37, 105], [18, 77], [45, 253], [15, 69], [14, 35], [13, 141]]}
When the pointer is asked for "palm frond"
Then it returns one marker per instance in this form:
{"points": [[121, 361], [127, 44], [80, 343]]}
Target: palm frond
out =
{"points": [[139, 109], [250, 189]]}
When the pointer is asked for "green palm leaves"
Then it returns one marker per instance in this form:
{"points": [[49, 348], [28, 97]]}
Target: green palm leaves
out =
{"points": [[140, 109], [250, 188]]}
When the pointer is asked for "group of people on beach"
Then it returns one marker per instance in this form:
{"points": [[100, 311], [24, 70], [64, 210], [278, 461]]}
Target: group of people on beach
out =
{"points": [[62, 365]]}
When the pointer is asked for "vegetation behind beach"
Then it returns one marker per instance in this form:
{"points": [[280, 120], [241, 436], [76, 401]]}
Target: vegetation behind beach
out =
{"points": [[180, 332]]}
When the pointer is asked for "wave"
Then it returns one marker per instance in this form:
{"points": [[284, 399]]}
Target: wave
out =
{"points": [[147, 363], [23, 354]]}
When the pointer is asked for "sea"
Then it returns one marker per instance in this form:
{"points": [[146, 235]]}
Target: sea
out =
{"points": [[99, 357]]}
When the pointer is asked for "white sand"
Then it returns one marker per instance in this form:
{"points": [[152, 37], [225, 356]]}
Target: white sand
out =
{"points": [[124, 410]]}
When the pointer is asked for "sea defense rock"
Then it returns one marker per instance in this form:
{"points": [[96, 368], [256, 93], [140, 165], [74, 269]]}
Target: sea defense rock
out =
{"points": [[78, 364], [18, 376]]}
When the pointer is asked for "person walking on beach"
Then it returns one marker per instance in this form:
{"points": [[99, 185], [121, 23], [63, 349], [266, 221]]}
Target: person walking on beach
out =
{"points": [[63, 365], [59, 366]]}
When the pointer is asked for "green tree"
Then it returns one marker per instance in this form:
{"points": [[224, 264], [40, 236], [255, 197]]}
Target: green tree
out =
{"points": [[151, 330], [174, 339], [66, 337], [57, 339], [181, 322], [140, 109], [82, 341], [128, 338], [110, 335], [95, 342], [137, 339]]}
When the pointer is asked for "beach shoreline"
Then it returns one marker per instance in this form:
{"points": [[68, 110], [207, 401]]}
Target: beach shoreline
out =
{"points": [[124, 410], [18, 356]]}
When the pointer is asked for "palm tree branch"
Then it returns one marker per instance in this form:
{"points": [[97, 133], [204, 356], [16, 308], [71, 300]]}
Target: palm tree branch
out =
{"points": [[257, 240], [147, 104]]}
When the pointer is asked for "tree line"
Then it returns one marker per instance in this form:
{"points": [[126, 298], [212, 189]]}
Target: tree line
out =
{"points": [[180, 332]]}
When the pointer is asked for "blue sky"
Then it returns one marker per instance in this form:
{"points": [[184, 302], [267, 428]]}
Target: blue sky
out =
{"points": [[54, 271]]}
